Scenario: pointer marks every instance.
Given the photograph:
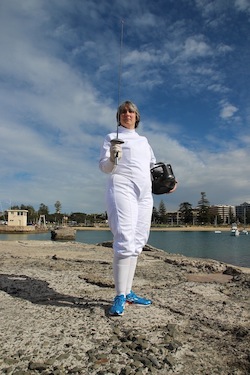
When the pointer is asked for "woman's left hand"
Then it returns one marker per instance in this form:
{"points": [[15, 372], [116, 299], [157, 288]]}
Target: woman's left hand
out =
{"points": [[175, 187]]}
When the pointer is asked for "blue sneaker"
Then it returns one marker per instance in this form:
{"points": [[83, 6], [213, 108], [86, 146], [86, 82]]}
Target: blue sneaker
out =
{"points": [[118, 306], [133, 298]]}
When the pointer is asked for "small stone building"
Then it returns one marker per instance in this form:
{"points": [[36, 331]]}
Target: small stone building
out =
{"points": [[17, 218]]}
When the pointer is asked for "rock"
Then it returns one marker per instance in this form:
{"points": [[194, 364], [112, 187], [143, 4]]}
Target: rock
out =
{"points": [[54, 313], [63, 234], [37, 366]]}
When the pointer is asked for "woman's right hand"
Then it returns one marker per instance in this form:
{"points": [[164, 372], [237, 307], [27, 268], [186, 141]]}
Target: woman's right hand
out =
{"points": [[115, 152]]}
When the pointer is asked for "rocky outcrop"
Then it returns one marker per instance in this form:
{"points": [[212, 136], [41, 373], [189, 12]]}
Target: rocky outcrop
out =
{"points": [[63, 234], [55, 297], [23, 229]]}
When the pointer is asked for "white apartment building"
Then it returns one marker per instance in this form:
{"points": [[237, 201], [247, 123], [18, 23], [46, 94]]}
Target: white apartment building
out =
{"points": [[225, 212]]}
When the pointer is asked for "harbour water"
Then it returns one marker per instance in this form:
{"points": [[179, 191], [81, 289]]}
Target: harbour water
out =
{"points": [[222, 246]]}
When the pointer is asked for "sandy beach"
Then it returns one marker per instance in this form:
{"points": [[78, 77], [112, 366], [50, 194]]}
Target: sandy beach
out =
{"points": [[54, 317]]}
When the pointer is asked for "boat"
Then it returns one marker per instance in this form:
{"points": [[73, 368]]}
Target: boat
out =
{"points": [[234, 230], [244, 231], [217, 231]]}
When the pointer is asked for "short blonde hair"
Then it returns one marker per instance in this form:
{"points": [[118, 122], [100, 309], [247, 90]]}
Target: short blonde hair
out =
{"points": [[131, 106]]}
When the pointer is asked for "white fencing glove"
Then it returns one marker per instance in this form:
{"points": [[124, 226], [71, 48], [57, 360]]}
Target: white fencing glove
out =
{"points": [[115, 152]]}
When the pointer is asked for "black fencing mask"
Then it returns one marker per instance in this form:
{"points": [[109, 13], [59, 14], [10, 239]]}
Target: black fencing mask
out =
{"points": [[163, 179]]}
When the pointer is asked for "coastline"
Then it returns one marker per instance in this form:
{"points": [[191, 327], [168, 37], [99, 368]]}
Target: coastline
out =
{"points": [[54, 317], [208, 253], [195, 228]]}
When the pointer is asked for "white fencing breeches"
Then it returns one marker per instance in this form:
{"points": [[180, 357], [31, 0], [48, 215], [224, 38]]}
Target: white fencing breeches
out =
{"points": [[129, 209], [129, 213]]}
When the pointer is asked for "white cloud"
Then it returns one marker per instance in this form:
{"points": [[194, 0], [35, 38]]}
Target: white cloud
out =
{"points": [[195, 47], [219, 88], [218, 174], [146, 20], [242, 5], [58, 98], [224, 48], [228, 110]]}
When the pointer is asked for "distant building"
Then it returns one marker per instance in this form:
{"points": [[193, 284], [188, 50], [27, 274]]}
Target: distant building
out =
{"points": [[224, 212], [172, 218], [17, 218], [243, 211]]}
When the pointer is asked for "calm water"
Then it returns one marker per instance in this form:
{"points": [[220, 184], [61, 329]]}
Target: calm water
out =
{"points": [[222, 246]]}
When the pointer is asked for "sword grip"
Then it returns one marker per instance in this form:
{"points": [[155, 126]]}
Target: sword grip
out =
{"points": [[116, 159], [117, 141]]}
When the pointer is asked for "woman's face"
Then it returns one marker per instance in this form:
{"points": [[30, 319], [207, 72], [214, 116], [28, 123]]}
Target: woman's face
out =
{"points": [[127, 118]]}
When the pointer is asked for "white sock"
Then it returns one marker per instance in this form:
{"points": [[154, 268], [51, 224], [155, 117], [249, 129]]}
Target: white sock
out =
{"points": [[133, 263], [121, 268]]}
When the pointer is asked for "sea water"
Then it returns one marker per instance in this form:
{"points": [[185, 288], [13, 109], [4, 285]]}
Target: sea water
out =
{"points": [[210, 245]]}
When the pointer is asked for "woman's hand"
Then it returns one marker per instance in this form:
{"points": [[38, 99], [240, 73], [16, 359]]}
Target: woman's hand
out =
{"points": [[175, 187], [115, 152]]}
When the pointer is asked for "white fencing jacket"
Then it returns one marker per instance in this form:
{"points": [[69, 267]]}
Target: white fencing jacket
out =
{"points": [[137, 157]]}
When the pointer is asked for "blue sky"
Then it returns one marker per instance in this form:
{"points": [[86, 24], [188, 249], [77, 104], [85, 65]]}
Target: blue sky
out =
{"points": [[185, 63]]}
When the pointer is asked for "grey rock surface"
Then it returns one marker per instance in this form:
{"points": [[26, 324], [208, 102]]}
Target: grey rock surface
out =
{"points": [[54, 302]]}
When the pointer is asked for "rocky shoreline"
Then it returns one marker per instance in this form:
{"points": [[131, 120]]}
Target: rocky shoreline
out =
{"points": [[54, 317]]}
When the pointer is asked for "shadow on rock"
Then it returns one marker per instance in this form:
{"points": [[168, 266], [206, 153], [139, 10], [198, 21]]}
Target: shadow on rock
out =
{"points": [[39, 292]]}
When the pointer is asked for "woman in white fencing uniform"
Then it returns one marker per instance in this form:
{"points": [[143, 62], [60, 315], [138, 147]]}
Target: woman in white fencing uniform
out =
{"points": [[129, 201]]}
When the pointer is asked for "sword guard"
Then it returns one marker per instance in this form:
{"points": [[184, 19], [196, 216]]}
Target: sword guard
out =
{"points": [[116, 141]]}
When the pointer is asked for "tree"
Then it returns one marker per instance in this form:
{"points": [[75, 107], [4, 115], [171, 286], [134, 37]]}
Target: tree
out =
{"points": [[186, 213], [155, 216], [203, 204], [43, 209], [162, 213], [58, 207], [57, 217], [78, 217], [32, 214], [15, 207]]}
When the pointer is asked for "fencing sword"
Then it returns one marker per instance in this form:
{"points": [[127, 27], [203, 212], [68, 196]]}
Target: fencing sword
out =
{"points": [[116, 140]]}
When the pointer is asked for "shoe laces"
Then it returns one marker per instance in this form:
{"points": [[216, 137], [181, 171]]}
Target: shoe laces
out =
{"points": [[119, 300], [132, 295]]}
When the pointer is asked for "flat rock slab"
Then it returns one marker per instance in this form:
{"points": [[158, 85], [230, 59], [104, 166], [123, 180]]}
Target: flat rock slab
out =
{"points": [[209, 277], [54, 303]]}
